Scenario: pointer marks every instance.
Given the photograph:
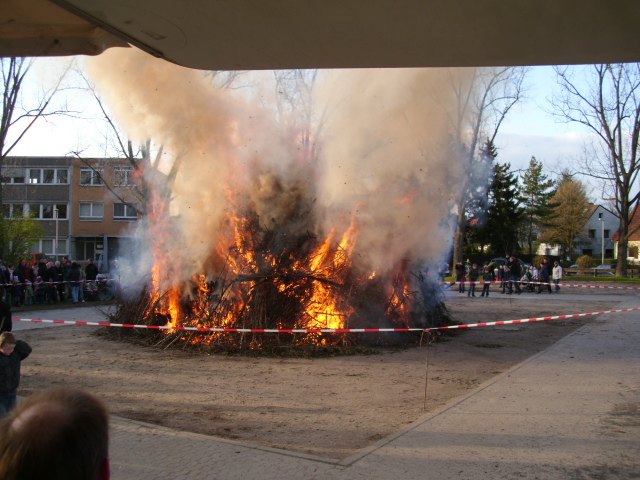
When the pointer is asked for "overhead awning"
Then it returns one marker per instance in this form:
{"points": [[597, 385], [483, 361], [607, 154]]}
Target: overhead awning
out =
{"points": [[273, 34]]}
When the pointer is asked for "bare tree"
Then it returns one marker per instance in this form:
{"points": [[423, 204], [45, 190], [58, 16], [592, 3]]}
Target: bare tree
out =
{"points": [[19, 114], [143, 158], [483, 101], [608, 104], [295, 104]]}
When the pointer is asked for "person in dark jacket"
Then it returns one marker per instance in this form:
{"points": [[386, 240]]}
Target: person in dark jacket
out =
{"points": [[516, 272], [460, 272], [473, 275], [545, 276], [91, 270], [487, 278], [74, 282], [12, 352], [6, 323]]}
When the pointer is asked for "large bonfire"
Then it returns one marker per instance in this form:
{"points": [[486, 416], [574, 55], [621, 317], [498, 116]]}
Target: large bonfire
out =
{"points": [[270, 276], [259, 233]]}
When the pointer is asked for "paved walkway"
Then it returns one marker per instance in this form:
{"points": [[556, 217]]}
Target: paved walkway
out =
{"points": [[570, 412]]}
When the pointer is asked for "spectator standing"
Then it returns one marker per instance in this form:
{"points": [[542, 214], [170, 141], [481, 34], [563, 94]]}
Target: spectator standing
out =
{"points": [[473, 276], [545, 276], [487, 277], [39, 290], [6, 323], [460, 277], [12, 353], [91, 270], [74, 282], [60, 280], [49, 278], [515, 274], [556, 274]]}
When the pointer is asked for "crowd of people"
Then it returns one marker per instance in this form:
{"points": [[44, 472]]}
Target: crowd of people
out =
{"points": [[511, 276], [47, 282]]}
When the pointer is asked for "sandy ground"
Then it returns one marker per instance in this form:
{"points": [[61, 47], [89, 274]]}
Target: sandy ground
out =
{"points": [[323, 406]]}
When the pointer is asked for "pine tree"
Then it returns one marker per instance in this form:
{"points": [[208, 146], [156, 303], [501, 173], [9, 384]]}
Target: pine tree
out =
{"points": [[537, 190], [475, 233], [505, 211]]}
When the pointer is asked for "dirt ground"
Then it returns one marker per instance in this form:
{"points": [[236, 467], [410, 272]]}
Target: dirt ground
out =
{"points": [[324, 406]]}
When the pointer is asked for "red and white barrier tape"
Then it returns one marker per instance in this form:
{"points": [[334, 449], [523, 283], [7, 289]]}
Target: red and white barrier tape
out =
{"points": [[541, 284], [325, 330]]}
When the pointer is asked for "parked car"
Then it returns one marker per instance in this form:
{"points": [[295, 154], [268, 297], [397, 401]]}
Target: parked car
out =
{"points": [[568, 271], [604, 269]]}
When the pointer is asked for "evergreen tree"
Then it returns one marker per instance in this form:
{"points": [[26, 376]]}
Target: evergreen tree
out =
{"points": [[537, 190], [505, 211], [475, 233], [570, 212]]}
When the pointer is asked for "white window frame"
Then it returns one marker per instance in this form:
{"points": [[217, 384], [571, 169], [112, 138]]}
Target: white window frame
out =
{"points": [[92, 206], [127, 172], [42, 206], [97, 178], [40, 181], [11, 179], [15, 209], [39, 246], [127, 215]]}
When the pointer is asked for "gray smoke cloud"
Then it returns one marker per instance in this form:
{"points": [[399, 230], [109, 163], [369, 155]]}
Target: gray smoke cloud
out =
{"points": [[385, 158]]}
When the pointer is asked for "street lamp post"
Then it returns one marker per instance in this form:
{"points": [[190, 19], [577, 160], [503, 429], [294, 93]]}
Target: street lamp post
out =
{"points": [[55, 242], [601, 237]]}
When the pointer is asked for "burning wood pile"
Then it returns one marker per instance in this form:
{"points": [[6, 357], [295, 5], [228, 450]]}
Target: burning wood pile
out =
{"points": [[269, 278]]}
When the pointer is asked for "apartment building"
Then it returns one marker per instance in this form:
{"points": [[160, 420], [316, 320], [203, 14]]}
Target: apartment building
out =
{"points": [[87, 206]]}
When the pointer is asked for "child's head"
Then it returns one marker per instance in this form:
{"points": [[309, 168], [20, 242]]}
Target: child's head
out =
{"points": [[7, 343]]}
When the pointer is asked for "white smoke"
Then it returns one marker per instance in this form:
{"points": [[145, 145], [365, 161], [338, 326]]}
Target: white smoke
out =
{"points": [[385, 156]]}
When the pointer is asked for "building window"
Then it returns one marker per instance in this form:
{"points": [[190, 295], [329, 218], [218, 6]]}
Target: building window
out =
{"points": [[592, 233], [46, 246], [89, 176], [13, 175], [91, 211], [125, 211], [606, 234], [123, 176], [633, 252], [46, 211], [13, 210], [48, 176]]}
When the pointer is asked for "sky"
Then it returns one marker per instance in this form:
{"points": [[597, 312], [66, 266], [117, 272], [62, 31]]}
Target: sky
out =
{"points": [[529, 130]]}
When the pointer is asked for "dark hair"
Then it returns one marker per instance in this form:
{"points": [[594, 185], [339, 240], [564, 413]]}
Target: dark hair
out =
{"points": [[55, 434]]}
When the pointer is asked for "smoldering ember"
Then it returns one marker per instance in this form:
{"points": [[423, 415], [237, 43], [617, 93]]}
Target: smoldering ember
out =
{"points": [[264, 220]]}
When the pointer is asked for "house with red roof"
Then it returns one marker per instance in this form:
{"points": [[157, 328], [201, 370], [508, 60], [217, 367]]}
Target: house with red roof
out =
{"points": [[633, 255]]}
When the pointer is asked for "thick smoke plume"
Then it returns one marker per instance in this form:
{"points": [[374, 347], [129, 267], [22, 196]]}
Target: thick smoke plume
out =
{"points": [[385, 158]]}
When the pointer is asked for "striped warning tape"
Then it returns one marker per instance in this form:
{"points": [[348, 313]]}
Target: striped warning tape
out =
{"points": [[579, 285], [324, 330]]}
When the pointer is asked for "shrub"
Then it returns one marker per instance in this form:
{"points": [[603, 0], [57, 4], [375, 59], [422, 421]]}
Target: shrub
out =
{"points": [[586, 261]]}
